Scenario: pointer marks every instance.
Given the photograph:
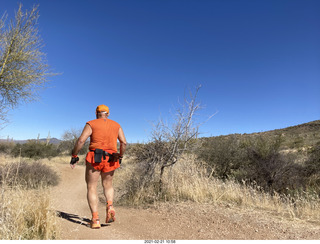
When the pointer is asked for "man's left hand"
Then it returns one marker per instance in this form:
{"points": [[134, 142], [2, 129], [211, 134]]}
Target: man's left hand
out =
{"points": [[115, 157]]}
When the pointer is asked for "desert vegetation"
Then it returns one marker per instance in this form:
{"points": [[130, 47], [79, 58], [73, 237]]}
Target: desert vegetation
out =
{"points": [[189, 181], [257, 171], [25, 211], [268, 171], [278, 171], [264, 160]]}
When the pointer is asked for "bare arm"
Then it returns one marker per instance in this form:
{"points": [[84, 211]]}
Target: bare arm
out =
{"points": [[87, 131], [123, 142]]}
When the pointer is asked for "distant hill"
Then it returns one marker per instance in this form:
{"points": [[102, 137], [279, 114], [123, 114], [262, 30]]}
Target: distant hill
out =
{"points": [[302, 135], [310, 127], [52, 140], [307, 134]]}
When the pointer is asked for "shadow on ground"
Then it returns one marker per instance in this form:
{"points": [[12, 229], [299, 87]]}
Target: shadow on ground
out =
{"points": [[76, 219]]}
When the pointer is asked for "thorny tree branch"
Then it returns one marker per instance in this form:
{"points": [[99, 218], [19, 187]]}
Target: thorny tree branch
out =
{"points": [[23, 68]]}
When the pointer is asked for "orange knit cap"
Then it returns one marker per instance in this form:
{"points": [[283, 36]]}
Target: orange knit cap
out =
{"points": [[102, 108]]}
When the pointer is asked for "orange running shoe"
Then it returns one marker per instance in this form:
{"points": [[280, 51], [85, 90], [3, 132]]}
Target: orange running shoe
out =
{"points": [[95, 224], [111, 213]]}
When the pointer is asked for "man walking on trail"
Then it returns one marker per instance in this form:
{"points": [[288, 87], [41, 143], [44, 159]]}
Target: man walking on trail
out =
{"points": [[102, 160]]}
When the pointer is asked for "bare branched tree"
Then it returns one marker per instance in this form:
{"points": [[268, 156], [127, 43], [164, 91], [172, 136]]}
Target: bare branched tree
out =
{"points": [[69, 138], [23, 67], [171, 140]]}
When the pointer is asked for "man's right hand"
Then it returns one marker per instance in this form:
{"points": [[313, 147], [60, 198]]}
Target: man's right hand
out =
{"points": [[73, 162]]}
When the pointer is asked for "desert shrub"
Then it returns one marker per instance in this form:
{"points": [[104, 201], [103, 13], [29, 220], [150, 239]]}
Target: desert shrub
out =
{"points": [[223, 155], [296, 141], [35, 150], [270, 169], [142, 180], [6, 147], [25, 211], [135, 188], [257, 159], [312, 169], [313, 162], [134, 149], [28, 175], [264, 161]]}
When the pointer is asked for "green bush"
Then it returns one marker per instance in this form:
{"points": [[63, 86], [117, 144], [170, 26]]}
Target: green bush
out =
{"points": [[270, 169], [35, 150], [224, 155], [28, 174], [312, 171], [258, 159]]}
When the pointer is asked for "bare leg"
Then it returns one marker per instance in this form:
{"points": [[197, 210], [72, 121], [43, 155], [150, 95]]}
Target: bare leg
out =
{"points": [[107, 185], [92, 177], [108, 193]]}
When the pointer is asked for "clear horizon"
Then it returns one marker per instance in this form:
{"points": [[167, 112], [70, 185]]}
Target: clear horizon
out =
{"points": [[44, 138]]}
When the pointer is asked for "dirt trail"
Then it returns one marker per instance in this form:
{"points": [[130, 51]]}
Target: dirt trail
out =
{"points": [[185, 221]]}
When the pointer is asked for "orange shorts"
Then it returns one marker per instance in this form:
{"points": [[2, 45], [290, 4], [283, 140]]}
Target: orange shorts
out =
{"points": [[104, 166]]}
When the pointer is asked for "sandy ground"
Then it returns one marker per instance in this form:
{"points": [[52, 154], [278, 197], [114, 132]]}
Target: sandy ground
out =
{"points": [[167, 221]]}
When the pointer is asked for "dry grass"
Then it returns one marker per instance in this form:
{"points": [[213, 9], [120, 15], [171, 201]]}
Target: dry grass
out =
{"points": [[188, 180], [25, 214]]}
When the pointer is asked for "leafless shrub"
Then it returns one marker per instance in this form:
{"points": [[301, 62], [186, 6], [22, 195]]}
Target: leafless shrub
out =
{"points": [[169, 141], [69, 138]]}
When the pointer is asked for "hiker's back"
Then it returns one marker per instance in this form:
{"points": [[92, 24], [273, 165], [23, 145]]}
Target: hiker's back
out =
{"points": [[104, 134]]}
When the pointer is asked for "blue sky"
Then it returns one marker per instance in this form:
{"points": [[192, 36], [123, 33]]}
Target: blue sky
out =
{"points": [[257, 61]]}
